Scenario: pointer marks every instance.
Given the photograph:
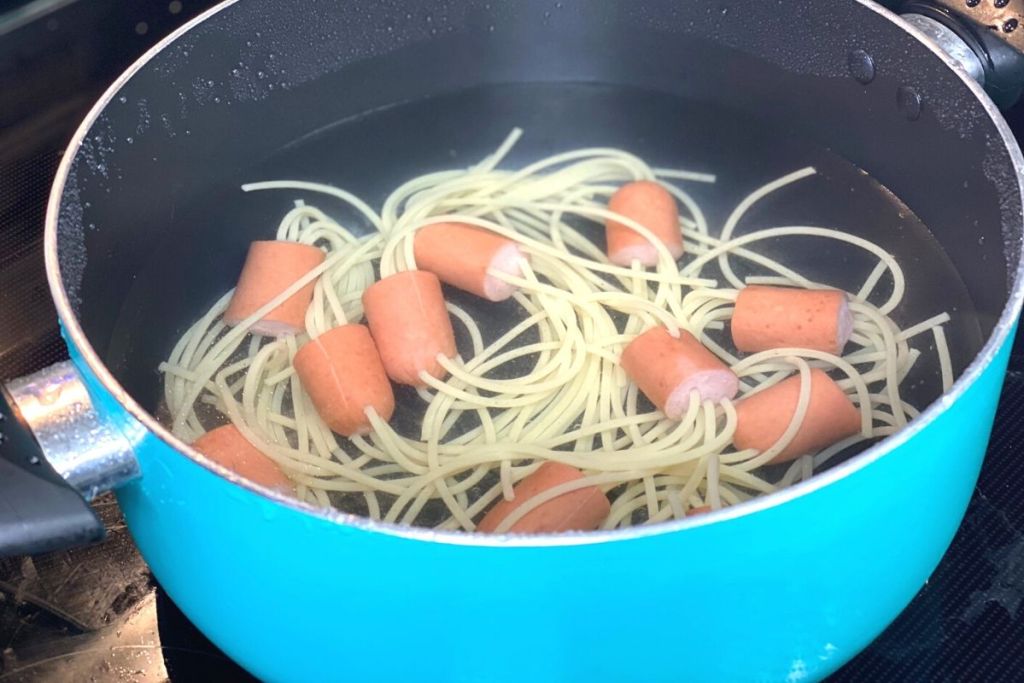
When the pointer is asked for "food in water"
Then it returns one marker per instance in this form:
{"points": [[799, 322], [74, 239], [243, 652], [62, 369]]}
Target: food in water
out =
{"points": [[553, 387]]}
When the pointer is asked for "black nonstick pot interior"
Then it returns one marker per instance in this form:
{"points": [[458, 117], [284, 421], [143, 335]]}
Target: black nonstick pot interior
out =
{"points": [[154, 227]]}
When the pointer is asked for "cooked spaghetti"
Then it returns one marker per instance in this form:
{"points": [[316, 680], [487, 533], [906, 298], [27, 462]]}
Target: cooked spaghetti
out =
{"points": [[550, 386]]}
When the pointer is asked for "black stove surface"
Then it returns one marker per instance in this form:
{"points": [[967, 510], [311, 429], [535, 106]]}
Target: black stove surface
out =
{"points": [[95, 614]]}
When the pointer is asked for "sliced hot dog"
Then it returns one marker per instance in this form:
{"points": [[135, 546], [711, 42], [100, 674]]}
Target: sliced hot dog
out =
{"points": [[270, 268], [410, 325], [580, 510], [776, 317], [762, 418], [699, 510], [666, 369], [226, 446], [343, 375], [650, 205], [460, 255]]}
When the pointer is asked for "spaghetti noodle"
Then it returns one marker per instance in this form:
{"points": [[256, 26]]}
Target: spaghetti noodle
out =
{"points": [[490, 423]]}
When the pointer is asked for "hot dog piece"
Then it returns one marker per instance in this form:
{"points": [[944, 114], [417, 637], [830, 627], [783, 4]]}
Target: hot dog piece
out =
{"points": [[579, 510], [270, 268], [460, 255], [699, 510], [667, 369], [650, 205], [762, 418], [226, 446], [410, 325], [776, 317], [343, 375]]}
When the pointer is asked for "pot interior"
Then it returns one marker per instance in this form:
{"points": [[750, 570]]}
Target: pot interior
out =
{"points": [[153, 226]]}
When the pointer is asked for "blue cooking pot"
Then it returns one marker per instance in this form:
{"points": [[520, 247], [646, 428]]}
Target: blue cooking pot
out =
{"points": [[786, 587]]}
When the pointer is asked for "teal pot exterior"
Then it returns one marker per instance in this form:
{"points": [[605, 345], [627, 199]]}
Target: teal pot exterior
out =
{"points": [[789, 593]]}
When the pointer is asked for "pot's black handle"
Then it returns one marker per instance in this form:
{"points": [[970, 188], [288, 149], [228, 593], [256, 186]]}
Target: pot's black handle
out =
{"points": [[39, 511], [994, 32]]}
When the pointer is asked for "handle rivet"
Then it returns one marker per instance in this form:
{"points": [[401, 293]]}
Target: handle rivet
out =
{"points": [[909, 102], [861, 66]]}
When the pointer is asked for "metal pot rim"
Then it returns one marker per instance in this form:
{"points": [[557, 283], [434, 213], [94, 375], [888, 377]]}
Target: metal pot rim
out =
{"points": [[77, 337]]}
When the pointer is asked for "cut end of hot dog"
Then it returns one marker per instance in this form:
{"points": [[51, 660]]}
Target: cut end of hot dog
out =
{"points": [[652, 206], [844, 326], [779, 317], [579, 510], [762, 418], [271, 267], [228, 447], [645, 254], [342, 372], [711, 385], [508, 260], [668, 370], [274, 328]]}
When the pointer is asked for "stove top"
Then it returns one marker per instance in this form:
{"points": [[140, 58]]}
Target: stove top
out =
{"points": [[96, 614]]}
